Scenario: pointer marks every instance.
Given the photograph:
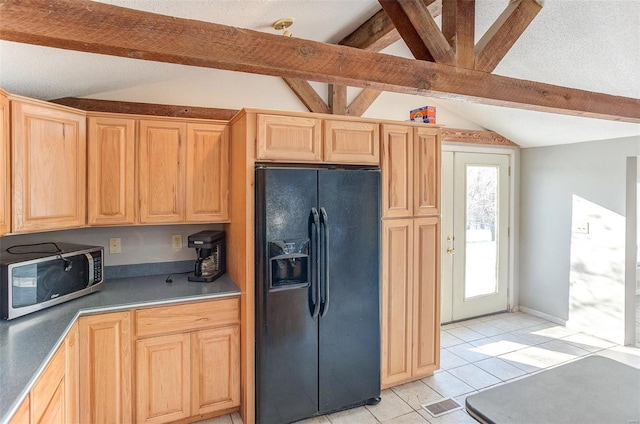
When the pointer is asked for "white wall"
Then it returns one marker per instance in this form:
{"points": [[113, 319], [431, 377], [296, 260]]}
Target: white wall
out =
{"points": [[571, 275], [235, 90]]}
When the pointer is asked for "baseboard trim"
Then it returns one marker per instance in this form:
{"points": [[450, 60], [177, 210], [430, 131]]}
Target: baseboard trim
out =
{"points": [[539, 314]]}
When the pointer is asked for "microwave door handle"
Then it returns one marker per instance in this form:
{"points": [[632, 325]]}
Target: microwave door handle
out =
{"points": [[91, 269]]}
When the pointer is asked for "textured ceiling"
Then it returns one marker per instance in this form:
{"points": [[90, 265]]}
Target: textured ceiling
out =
{"points": [[587, 44]]}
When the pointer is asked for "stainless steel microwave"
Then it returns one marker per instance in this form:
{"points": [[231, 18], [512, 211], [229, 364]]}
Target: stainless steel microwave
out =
{"points": [[41, 275]]}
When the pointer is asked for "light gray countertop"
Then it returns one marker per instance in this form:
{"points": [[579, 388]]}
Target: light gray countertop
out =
{"points": [[27, 343]]}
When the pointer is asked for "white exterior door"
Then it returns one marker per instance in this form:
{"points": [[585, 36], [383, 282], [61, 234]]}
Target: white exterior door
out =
{"points": [[475, 223]]}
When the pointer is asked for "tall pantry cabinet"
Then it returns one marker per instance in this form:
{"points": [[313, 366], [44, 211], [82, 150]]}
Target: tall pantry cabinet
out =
{"points": [[410, 252]]}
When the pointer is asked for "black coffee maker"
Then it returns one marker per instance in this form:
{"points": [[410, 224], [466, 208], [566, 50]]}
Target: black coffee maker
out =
{"points": [[210, 248]]}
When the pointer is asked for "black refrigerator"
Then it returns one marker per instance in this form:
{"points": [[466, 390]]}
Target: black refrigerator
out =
{"points": [[317, 291]]}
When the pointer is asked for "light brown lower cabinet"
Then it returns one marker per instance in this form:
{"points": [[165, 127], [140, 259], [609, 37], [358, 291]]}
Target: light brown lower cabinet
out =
{"points": [[105, 368], [183, 375], [186, 368], [163, 379], [22, 414], [410, 299], [215, 369], [53, 398]]}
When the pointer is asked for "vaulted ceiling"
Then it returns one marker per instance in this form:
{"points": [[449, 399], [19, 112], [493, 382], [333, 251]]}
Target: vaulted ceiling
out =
{"points": [[589, 46]]}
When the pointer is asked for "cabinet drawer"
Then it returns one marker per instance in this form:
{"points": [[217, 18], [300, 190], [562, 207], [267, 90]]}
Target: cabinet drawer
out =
{"points": [[186, 317]]}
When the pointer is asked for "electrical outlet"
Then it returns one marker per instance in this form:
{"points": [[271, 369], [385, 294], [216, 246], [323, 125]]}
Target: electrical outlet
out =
{"points": [[114, 246], [581, 227], [176, 242]]}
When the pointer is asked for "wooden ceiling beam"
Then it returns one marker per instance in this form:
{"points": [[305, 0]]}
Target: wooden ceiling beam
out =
{"points": [[153, 109], [458, 28], [105, 29], [374, 35], [405, 28], [378, 32], [338, 99], [307, 95], [363, 101], [427, 30], [504, 32]]}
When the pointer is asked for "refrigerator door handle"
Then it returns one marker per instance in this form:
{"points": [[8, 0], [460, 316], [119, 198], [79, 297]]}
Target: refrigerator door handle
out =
{"points": [[315, 278], [324, 221]]}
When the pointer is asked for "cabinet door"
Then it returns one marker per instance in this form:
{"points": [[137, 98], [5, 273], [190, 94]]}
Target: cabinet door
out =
{"points": [[161, 167], [427, 158], [207, 188], [53, 412], [48, 394], [288, 139], [163, 379], [397, 171], [426, 296], [347, 142], [5, 168], [105, 368], [72, 375], [111, 167], [215, 369], [49, 158], [23, 414], [397, 300]]}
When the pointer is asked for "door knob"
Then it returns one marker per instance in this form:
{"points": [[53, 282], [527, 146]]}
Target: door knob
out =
{"points": [[451, 251]]}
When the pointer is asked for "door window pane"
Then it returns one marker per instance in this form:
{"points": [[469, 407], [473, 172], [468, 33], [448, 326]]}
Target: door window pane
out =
{"points": [[481, 267]]}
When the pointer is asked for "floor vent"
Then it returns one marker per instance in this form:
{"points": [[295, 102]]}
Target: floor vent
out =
{"points": [[442, 407]]}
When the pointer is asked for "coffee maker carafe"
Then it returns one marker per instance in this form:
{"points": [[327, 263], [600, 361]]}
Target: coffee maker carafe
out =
{"points": [[210, 250]]}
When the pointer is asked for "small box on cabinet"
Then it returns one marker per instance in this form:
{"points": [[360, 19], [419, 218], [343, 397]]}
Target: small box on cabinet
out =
{"points": [[425, 114]]}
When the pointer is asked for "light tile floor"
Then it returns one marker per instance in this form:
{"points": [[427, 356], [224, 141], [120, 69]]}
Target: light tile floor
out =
{"points": [[475, 355]]}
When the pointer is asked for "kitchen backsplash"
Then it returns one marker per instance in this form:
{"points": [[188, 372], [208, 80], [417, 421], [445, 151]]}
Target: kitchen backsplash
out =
{"points": [[139, 244]]}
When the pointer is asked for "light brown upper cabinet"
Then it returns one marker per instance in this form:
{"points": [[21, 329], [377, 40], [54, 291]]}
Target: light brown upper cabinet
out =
{"points": [[111, 170], [427, 156], [288, 138], [351, 142], [182, 170], [300, 139], [410, 171], [207, 187], [48, 145], [162, 154], [5, 168]]}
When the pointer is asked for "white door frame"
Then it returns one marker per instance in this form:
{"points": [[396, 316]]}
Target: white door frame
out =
{"points": [[514, 196]]}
